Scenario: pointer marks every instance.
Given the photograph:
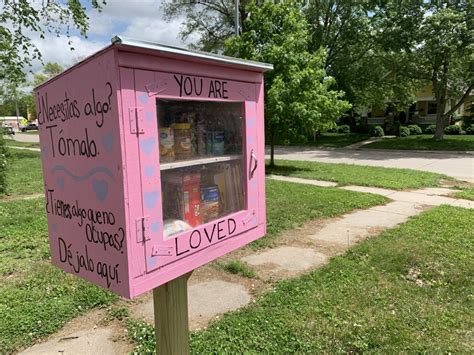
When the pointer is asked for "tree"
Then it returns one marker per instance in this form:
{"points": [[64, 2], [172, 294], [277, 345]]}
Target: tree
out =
{"points": [[360, 39], [299, 98], [213, 21], [439, 50], [19, 19]]}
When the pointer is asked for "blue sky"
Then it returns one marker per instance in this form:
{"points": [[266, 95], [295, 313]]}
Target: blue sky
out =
{"points": [[138, 19]]}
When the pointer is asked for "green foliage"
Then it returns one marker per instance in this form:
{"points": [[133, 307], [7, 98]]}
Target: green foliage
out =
{"points": [[299, 98], [453, 129], [470, 130], [414, 130], [431, 129], [20, 20], [403, 131], [240, 268], [346, 174], [343, 129], [3, 164], [425, 142], [376, 131]]}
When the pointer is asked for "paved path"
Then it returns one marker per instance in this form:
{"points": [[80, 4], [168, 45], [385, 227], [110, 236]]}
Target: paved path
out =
{"points": [[459, 166], [22, 137], [298, 251]]}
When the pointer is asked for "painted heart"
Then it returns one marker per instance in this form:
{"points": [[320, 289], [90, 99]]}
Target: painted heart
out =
{"points": [[150, 198], [155, 227], [108, 141], [60, 183], [101, 188], [149, 170], [143, 97], [253, 183], [54, 227], [45, 151], [250, 140], [149, 116], [251, 122], [147, 145], [151, 261]]}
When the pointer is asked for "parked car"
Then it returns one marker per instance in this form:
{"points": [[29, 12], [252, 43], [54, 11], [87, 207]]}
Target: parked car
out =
{"points": [[30, 127]]}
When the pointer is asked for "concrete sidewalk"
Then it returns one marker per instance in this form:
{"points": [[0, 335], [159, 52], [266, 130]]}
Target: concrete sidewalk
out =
{"points": [[459, 166], [298, 251]]}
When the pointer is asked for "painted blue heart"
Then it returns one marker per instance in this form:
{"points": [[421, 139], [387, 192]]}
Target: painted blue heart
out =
{"points": [[143, 97], [251, 122], [101, 188], [253, 183], [147, 145], [54, 227], [155, 226], [149, 116], [250, 140], [151, 261], [108, 141], [149, 170], [45, 151], [60, 183], [150, 198]]}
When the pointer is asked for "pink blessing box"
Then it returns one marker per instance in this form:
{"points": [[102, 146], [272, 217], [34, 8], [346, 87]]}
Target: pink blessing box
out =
{"points": [[153, 161]]}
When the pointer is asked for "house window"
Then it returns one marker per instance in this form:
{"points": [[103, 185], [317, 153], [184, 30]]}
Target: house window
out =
{"points": [[432, 107]]}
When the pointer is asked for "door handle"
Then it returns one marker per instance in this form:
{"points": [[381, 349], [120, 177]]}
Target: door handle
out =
{"points": [[253, 158]]}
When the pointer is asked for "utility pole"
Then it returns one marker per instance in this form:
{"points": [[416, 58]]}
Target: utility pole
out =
{"points": [[237, 16]]}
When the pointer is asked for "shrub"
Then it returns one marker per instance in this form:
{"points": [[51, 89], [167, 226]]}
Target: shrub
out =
{"points": [[431, 129], [377, 131], [453, 130], [414, 129], [3, 163], [343, 129], [470, 130], [403, 131]]}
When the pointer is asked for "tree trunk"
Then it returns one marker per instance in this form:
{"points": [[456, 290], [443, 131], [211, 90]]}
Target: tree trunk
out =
{"points": [[272, 148], [440, 126]]}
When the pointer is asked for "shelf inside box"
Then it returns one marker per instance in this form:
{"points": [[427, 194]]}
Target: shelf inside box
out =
{"points": [[198, 161]]}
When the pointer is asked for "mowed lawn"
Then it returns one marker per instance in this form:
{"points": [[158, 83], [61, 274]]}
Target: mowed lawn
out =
{"points": [[409, 290], [37, 299], [347, 174], [425, 142]]}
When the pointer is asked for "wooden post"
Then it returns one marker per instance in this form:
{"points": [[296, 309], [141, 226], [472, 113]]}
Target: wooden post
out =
{"points": [[170, 302]]}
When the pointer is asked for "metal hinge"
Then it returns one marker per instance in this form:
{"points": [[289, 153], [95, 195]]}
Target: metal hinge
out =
{"points": [[143, 229], [136, 120], [161, 251]]}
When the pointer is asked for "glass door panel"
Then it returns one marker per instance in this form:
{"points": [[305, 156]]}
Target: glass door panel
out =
{"points": [[201, 162]]}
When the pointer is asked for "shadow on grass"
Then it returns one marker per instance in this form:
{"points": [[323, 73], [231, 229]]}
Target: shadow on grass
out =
{"points": [[288, 170]]}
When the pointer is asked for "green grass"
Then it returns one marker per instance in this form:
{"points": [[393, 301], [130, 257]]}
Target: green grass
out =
{"points": [[36, 299], [289, 205], [337, 140], [409, 290], [238, 267], [346, 174], [425, 142], [23, 236], [467, 194], [41, 303], [24, 172], [13, 143]]}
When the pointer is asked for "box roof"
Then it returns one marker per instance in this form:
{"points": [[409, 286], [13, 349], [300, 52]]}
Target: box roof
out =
{"points": [[211, 57]]}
